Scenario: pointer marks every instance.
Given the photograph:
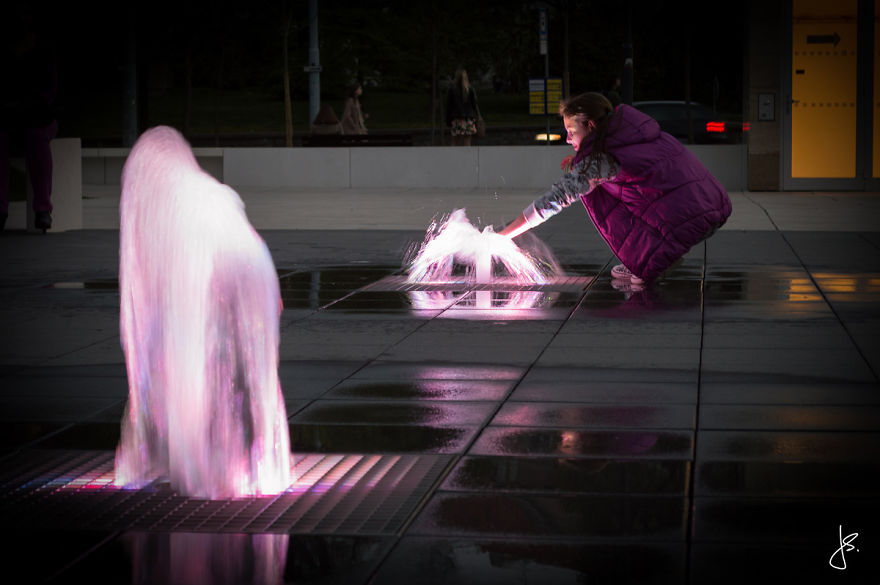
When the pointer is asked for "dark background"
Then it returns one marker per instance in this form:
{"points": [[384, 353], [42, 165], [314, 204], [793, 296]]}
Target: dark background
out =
{"points": [[215, 69]]}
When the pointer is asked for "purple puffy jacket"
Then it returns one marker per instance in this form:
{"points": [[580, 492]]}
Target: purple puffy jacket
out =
{"points": [[663, 200]]}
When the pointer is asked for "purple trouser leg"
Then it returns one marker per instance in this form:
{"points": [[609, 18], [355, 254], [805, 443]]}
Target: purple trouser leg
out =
{"points": [[38, 161], [4, 173], [38, 158]]}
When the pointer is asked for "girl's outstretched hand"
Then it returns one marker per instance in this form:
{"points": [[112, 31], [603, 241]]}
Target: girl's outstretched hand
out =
{"points": [[515, 228]]}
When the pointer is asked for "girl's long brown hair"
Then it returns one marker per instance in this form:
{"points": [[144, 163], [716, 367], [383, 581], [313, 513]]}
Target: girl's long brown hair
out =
{"points": [[592, 106]]}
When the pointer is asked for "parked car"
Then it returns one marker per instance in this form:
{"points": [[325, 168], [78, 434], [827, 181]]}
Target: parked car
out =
{"points": [[709, 127]]}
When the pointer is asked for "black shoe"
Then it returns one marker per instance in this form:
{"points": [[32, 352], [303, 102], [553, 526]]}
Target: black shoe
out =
{"points": [[43, 220]]}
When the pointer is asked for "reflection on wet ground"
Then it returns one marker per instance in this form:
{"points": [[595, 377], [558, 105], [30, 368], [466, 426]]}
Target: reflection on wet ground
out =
{"points": [[501, 433]]}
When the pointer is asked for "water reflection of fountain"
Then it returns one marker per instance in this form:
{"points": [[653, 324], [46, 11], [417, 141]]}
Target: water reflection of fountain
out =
{"points": [[496, 300], [456, 252], [199, 317], [182, 558]]}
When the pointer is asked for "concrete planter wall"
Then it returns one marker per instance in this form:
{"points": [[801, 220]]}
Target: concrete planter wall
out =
{"points": [[424, 167]]}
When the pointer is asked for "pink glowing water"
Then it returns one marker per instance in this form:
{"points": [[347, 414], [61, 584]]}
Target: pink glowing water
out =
{"points": [[199, 321], [485, 255]]}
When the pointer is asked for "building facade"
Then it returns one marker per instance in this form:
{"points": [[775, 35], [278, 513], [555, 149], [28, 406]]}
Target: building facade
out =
{"points": [[813, 95]]}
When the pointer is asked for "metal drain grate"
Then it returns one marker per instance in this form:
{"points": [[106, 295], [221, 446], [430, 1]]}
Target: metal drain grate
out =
{"points": [[332, 494]]}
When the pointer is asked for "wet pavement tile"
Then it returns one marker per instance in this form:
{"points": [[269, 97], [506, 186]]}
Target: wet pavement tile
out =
{"points": [[376, 438], [34, 557], [84, 435], [466, 390], [553, 515], [623, 416], [437, 371], [831, 364], [776, 335], [568, 475], [569, 442], [492, 561], [790, 417], [726, 311], [610, 333], [845, 365], [350, 339], [538, 387], [657, 361], [143, 558], [517, 349], [428, 413], [380, 302], [837, 447], [310, 379], [786, 520], [52, 409], [783, 562], [317, 288], [787, 479], [571, 370], [92, 380], [18, 434], [803, 394]]}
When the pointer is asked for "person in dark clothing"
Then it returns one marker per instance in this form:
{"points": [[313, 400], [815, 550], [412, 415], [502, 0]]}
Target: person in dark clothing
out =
{"points": [[612, 89], [462, 110], [28, 81]]}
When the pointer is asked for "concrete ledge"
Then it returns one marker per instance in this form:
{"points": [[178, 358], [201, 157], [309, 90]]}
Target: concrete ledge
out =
{"points": [[103, 166], [524, 167], [294, 167], [420, 167]]}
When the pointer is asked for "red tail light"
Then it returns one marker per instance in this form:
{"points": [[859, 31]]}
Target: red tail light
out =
{"points": [[746, 126], [714, 126]]}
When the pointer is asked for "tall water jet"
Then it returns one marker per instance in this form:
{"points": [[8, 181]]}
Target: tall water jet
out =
{"points": [[199, 322]]}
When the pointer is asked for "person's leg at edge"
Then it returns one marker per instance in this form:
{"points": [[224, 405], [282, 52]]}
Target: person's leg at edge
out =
{"points": [[4, 178], [38, 157]]}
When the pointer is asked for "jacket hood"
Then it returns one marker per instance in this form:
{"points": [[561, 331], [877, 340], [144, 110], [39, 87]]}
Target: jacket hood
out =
{"points": [[627, 126]]}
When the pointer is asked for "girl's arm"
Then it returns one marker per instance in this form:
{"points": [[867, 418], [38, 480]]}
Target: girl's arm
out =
{"points": [[582, 179]]}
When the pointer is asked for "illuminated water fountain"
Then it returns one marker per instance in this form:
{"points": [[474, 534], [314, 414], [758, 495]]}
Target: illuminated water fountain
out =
{"points": [[199, 318], [485, 255], [455, 251]]}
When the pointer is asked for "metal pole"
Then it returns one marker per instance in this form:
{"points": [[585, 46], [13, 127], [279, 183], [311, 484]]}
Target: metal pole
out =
{"points": [[546, 97], [314, 67], [626, 83], [544, 50], [130, 84]]}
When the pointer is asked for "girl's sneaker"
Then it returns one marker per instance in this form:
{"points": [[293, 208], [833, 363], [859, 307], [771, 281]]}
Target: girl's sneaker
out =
{"points": [[621, 272]]}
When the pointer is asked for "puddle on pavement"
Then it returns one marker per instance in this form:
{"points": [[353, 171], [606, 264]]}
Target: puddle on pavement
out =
{"points": [[318, 288], [373, 438], [390, 413], [583, 443], [544, 474], [470, 390], [383, 288], [110, 284]]}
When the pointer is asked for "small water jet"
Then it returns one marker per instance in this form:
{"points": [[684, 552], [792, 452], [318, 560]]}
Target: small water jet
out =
{"points": [[199, 322], [485, 256]]}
